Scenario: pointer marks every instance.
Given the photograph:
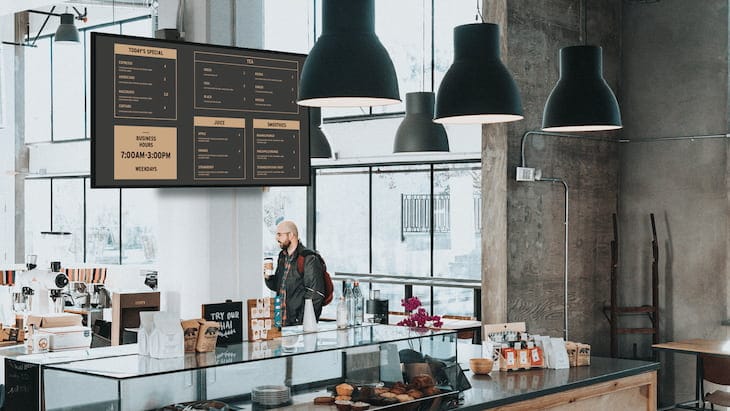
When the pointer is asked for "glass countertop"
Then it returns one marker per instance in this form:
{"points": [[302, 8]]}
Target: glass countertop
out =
{"points": [[292, 343]]}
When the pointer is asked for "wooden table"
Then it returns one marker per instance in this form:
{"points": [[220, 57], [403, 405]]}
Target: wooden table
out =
{"points": [[696, 347], [449, 324]]}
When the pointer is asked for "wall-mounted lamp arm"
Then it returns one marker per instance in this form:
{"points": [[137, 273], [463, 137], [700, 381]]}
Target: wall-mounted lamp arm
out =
{"points": [[48, 16]]}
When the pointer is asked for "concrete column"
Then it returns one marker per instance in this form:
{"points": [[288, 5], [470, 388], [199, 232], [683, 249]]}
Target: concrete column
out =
{"points": [[20, 151], [494, 197]]}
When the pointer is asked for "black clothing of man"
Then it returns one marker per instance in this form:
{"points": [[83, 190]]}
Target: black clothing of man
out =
{"points": [[298, 287]]}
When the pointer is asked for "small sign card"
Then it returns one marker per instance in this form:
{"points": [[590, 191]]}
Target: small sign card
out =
{"points": [[261, 319]]}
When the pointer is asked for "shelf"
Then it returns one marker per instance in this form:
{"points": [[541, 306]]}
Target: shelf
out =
{"points": [[290, 344]]}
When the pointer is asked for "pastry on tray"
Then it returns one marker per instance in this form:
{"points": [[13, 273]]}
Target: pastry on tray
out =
{"points": [[344, 389]]}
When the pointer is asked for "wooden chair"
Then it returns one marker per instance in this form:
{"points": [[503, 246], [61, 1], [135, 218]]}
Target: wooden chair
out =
{"points": [[717, 371]]}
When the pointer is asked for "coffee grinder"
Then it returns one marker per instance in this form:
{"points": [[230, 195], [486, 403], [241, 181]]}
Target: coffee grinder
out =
{"points": [[377, 307]]}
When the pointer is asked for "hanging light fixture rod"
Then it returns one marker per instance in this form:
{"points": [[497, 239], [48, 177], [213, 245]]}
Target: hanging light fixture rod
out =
{"points": [[78, 16]]}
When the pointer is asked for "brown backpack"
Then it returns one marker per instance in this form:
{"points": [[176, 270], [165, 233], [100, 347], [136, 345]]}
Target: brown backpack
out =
{"points": [[329, 287]]}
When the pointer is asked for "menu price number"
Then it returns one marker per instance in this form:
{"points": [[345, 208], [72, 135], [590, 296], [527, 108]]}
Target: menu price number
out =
{"points": [[146, 154]]}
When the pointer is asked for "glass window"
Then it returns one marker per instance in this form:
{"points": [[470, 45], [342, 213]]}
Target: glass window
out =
{"points": [[404, 28], [139, 226], [279, 204], [37, 215], [449, 14], [402, 222], [38, 91], [288, 26], [68, 92], [112, 29], [342, 218], [453, 301], [68, 216], [396, 251], [139, 28], [457, 251], [102, 225]]}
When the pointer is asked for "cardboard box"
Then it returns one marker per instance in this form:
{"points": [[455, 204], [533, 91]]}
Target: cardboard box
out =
{"points": [[207, 336], [68, 338], [190, 333], [12, 334], [54, 320]]}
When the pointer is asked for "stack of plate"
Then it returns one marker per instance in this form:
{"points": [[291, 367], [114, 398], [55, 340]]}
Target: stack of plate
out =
{"points": [[270, 394]]}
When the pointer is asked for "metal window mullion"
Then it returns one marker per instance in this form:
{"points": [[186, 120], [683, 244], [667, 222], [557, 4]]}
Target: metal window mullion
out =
{"points": [[50, 73], [83, 237], [121, 246], [431, 270], [370, 219], [51, 187]]}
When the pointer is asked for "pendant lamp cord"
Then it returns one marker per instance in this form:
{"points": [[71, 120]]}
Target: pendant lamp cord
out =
{"points": [[433, 46], [479, 16], [584, 18], [423, 48]]}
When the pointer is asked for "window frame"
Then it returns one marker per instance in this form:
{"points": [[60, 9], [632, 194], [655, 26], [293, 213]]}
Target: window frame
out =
{"points": [[433, 167]]}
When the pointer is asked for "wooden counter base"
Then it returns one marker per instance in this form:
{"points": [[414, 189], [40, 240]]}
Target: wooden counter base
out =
{"points": [[636, 392]]}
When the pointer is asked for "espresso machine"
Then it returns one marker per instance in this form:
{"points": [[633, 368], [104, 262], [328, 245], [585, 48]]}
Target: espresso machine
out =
{"points": [[77, 295], [40, 290]]}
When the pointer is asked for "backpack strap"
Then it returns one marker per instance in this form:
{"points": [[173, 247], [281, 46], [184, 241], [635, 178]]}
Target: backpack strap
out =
{"points": [[300, 259], [300, 264]]}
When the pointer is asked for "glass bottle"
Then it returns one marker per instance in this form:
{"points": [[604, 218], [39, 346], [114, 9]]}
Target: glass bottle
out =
{"points": [[349, 302], [343, 313], [277, 312], [359, 304]]}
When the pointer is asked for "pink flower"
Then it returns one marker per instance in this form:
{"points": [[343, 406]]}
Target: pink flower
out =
{"points": [[411, 303], [418, 315]]}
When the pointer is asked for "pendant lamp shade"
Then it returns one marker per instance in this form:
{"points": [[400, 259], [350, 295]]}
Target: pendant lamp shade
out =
{"points": [[319, 147], [581, 100], [67, 32], [348, 66], [418, 132], [477, 88]]}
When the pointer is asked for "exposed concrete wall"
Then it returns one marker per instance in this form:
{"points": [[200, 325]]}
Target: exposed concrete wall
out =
{"points": [[675, 73], [536, 30]]}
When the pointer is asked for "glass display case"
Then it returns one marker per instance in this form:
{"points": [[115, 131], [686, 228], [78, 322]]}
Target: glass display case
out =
{"points": [[288, 371]]}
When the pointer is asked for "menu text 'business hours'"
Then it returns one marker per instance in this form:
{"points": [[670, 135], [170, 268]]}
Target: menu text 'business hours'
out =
{"points": [[145, 82], [277, 148], [145, 153], [219, 148], [243, 83]]}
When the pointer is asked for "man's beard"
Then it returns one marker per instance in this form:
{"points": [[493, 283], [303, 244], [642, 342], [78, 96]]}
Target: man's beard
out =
{"points": [[284, 244]]}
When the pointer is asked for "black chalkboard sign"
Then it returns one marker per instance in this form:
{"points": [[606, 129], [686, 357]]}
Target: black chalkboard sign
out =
{"points": [[230, 316], [22, 380]]}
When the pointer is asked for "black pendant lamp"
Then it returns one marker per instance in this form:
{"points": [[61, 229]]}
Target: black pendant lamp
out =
{"points": [[418, 132], [319, 147], [477, 88], [581, 100], [67, 31], [348, 66]]}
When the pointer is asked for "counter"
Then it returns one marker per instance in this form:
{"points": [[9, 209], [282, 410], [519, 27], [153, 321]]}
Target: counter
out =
{"points": [[608, 383], [127, 381]]}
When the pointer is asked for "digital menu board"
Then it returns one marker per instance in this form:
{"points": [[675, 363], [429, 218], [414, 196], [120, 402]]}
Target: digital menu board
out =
{"points": [[176, 114]]}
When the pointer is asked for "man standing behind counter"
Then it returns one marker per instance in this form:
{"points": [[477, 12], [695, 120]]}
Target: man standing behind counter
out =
{"points": [[292, 286]]}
